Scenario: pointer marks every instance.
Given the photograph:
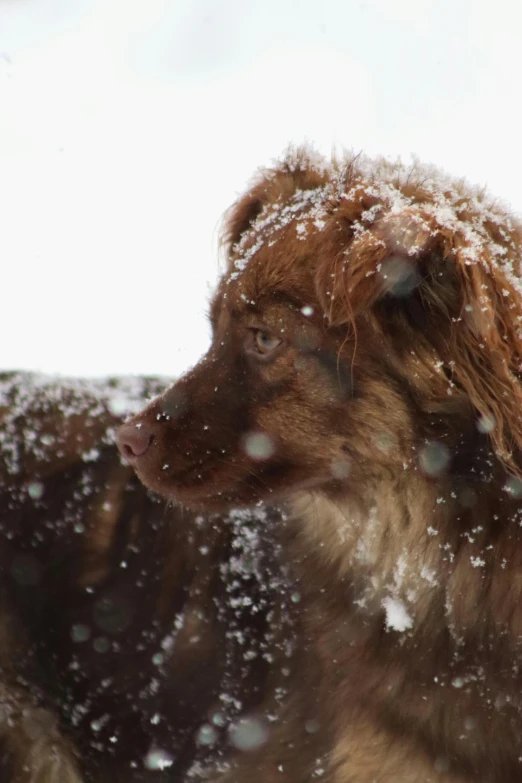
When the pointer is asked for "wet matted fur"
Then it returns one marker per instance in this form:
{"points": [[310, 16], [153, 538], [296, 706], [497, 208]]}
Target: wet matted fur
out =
{"points": [[365, 369], [132, 632]]}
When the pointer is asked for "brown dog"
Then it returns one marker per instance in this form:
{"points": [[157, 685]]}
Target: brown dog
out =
{"points": [[366, 368]]}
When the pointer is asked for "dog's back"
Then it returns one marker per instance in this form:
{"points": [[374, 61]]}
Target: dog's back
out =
{"points": [[138, 630]]}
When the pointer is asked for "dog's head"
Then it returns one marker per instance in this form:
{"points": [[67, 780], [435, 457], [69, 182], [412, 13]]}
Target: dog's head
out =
{"points": [[368, 314]]}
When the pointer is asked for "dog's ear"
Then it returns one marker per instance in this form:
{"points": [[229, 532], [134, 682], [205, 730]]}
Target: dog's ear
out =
{"points": [[391, 258], [299, 170], [242, 214], [445, 288]]}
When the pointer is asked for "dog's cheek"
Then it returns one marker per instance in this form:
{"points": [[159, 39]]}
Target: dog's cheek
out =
{"points": [[288, 433]]}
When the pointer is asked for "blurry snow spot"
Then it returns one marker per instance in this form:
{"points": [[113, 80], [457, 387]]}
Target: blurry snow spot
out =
{"points": [[155, 719], [79, 711], [47, 440], [112, 614], [457, 682], [513, 487], [397, 617], [477, 562], [469, 723], [80, 632], [35, 490], [486, 424], [118, 406], [79, 528], [249, 733], [99, 723], [295, 598], [218, 719], [26, 570], [467, 497], [258, 445], [207, 735], [434, 458], [340, 468], [312, 726], [307, 310], [174, 403], [91, 456], [400, 276], [442, 764], [501, 700], [101, 644], [158, 659], [384, 443], [158, 759]]}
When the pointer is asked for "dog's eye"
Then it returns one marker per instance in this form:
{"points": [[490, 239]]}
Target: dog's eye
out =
{"points": [[264, 343]]}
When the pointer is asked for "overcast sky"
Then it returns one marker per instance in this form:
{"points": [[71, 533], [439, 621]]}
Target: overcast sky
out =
{"points": [[128, 126]]}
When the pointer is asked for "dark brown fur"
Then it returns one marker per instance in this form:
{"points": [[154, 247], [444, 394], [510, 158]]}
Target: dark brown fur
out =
{"points": [[389, 419], [126, 627]]}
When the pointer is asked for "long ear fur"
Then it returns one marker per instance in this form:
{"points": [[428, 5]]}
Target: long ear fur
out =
{"points": [[460, 269]]}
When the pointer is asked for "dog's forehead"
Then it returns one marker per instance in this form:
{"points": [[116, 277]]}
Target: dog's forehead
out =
{"points": [[283, 218], [280, 271], [275, 254]]}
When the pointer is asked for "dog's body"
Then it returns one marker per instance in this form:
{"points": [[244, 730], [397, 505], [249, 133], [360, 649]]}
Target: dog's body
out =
{"points": [[365, 368], [124, 624]]}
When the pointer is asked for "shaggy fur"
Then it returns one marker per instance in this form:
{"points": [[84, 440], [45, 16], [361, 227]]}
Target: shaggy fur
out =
{"points": [[131, 634], [365, 369]]}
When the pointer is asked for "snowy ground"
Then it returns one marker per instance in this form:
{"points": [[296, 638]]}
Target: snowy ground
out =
{"points": [[126, 128]]}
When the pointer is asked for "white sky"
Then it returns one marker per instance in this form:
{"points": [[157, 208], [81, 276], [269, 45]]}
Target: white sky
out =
{"points": [[128, 126]]}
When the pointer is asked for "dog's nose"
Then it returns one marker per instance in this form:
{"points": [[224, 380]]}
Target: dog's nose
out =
{"points": [[133, 440]]}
